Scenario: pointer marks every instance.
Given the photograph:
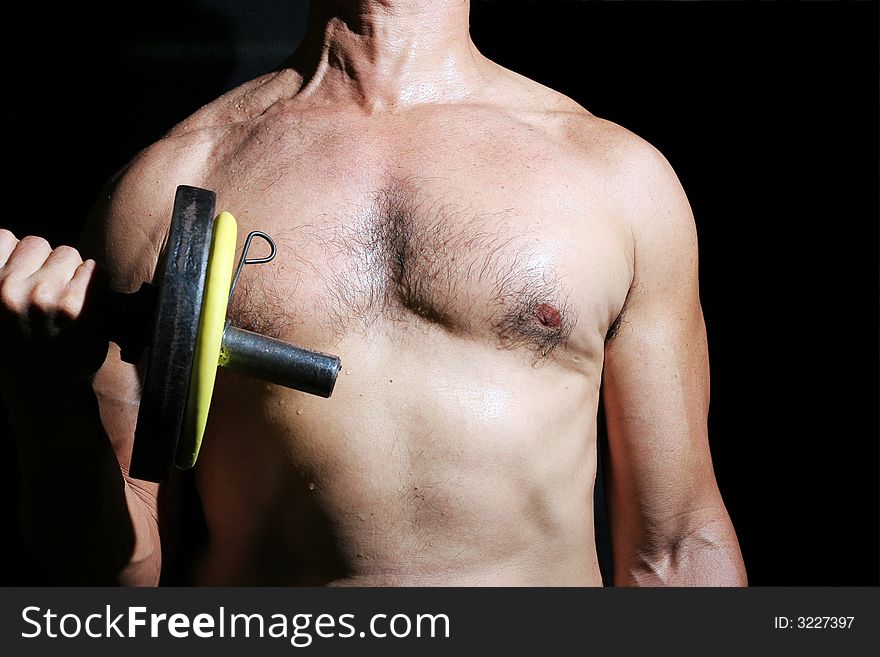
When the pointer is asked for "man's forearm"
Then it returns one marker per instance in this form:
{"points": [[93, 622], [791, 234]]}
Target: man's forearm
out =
{"points": [[707, 555], [79, 517]]}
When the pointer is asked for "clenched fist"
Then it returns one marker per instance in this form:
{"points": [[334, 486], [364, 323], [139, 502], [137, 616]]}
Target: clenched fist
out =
{"points": [[50, 336]]}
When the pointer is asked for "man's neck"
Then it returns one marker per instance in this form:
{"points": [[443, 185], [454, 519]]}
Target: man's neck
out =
{"points": [[387, 53]]}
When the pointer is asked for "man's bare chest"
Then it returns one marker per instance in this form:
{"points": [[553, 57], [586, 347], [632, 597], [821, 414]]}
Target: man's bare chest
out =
{"points": [[501, 250]]}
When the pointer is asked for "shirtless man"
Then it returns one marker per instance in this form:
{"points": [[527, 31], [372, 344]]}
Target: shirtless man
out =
{"points": [[482, 253]]}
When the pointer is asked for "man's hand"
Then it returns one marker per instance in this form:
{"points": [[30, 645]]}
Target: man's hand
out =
{"points": [[80, 517], [50, 339]]}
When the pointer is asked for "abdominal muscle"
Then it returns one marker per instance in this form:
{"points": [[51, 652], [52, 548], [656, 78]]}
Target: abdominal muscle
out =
{"points": [[437, 461]]}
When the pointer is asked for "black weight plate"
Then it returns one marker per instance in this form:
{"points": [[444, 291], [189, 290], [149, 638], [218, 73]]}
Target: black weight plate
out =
{"points": [[166, 381]]}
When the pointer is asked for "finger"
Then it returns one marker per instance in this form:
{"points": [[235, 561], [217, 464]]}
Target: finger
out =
{"points": [[58, 268], [28, 256], [7, 245], [50, 283], [74, 297], [15, 289]]}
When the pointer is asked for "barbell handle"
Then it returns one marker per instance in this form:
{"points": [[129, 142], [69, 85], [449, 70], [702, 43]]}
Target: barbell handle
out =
{"points": [[127, 318], [278, 362]]}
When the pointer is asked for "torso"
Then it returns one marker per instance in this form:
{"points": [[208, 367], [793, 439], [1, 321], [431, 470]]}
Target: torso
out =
{"points": [[465, 264]]}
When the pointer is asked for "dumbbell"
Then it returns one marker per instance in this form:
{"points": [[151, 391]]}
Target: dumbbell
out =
{"points": [[181, 321]]}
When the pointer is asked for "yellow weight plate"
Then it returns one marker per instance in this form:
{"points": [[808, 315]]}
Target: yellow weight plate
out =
{"points": [[212, 321]]}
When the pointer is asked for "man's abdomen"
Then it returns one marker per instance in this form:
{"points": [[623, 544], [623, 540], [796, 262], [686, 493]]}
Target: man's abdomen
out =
{"points": [[437, 461]]}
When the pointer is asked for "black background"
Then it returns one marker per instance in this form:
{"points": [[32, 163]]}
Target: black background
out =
{"points": [[767, 110]]}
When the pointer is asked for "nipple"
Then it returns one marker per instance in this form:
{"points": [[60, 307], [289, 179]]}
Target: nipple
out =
{"points": [[548, 316]]}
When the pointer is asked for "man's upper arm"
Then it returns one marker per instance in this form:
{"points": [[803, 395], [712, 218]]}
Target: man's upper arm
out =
{"points": [[663, 496], [125, 234]]}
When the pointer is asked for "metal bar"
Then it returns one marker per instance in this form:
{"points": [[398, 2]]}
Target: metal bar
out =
{"points": [[278, 362], [128, 318]]}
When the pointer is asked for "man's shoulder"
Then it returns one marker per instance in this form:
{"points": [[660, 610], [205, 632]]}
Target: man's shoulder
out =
{"points": [[240, 104], [634, 176], [131, 217], [599, 143], [141, 190], [603, 145], [633, 169]]}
